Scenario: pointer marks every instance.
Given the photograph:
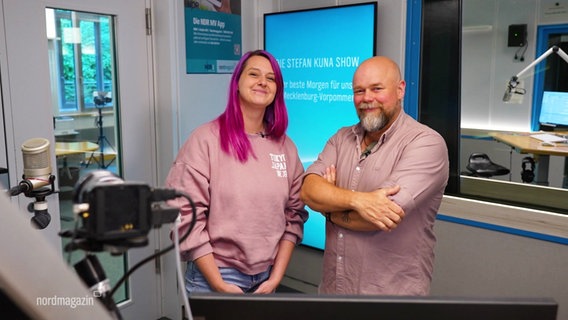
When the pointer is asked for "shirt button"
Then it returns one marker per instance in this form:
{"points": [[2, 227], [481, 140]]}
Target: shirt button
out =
{"points": [[339, 258], [340, 236], [358, 169]]}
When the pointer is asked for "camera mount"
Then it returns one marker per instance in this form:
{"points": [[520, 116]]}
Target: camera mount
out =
{"points": [[100, 99]]}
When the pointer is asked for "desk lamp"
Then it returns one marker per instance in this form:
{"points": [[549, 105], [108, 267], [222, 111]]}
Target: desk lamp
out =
{"points": [[514, 82]]}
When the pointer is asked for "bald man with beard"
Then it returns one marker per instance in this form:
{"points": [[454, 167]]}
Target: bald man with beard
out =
{"points": [[379, 183]]}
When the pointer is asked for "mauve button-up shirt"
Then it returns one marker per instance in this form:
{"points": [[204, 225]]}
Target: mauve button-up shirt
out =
{"points": [[400, 262]]}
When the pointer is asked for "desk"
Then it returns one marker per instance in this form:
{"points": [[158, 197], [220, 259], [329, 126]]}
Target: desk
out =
{"points": [[69, 148], [64, 149], [522, 142]]}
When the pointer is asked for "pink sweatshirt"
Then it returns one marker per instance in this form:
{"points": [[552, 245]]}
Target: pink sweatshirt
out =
{"points": [[243, 209]]}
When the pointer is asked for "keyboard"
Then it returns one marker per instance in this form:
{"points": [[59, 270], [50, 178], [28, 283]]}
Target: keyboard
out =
{"points": [[548, 137]]}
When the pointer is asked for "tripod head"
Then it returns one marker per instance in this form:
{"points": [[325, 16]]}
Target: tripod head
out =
{"points": [[100, 98]]}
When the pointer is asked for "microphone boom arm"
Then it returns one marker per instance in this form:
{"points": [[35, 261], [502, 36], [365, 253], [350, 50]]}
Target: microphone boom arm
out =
{"points": [[553, 49], [515, 79]]}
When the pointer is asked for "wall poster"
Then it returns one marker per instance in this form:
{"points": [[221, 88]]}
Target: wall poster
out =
{"points": [[212, 35]]}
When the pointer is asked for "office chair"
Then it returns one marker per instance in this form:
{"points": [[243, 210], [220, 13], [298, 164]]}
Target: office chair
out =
{"points": [[480, 165]]}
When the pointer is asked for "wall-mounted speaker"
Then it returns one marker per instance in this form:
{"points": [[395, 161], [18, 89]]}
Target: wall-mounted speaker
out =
{"points": [[517, 35]]}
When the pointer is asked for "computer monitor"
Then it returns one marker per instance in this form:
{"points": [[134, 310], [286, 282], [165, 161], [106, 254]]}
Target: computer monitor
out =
{"points": [[212, 306], [554, 110]]}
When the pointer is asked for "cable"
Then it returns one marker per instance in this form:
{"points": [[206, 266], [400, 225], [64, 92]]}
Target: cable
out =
{"points": [[159, 253], [179, 274], [73, 237], [522, 58]]}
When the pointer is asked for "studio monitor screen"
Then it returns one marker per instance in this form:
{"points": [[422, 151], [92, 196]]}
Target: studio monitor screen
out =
{"points": [[318, 51]]}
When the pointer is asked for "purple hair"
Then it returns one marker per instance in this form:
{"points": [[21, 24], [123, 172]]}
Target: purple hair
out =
{"points": [[232, 133]]}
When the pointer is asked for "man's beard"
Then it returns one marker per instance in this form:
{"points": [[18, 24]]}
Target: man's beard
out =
{"points": [[372, 122]]}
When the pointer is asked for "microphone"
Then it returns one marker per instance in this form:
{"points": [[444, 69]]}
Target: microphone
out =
{"points": [[37, 165], [510, 87], [507, 95], [37, 179]]}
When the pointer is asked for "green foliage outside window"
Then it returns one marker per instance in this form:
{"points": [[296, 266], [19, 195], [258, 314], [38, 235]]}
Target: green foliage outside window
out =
{"points": [[96, 72]]}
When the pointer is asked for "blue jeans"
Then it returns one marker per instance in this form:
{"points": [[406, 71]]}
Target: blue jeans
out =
{"points": [[195, 281]]}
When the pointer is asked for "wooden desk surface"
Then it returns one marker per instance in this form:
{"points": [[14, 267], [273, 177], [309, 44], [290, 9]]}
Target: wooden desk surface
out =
{"points": [[524, 143], [68, 148]]}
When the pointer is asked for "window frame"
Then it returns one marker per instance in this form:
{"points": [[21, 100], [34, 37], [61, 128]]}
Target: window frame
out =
{"points": [[82, 103], [543, 33], [438, 104]]}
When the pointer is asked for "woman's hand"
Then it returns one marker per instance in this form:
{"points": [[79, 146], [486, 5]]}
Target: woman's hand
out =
{"points": [[228, 288], [266, 287]]}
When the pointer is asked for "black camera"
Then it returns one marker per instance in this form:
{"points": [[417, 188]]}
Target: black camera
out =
{"points": [[100, 98], [114, 209], [116, 214]]}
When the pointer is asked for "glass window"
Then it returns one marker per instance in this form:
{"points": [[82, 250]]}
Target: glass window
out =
{"points": [[83, 59], [493, 156], [501, 160], [84, 103]]}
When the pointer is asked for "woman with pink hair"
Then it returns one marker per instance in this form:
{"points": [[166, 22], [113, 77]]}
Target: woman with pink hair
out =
{"points": [[244, 175]]}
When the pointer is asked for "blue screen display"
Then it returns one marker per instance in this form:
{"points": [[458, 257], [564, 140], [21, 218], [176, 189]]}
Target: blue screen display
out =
{"points": [[318, 51], [554, 108]]}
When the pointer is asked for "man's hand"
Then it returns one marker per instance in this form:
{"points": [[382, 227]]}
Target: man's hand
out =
{"points": [[374, 207], [329, 174], [377, 208]]}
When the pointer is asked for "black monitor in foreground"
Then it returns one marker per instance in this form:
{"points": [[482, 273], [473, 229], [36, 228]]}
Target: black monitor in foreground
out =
{"points": [[214, 306]]}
